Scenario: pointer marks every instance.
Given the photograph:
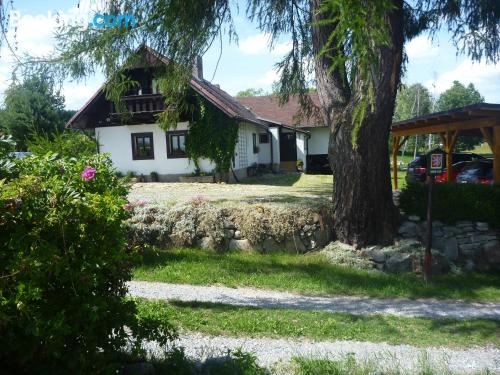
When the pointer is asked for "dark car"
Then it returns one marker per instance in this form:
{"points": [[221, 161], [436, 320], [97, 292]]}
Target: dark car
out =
{"points": [[477, 172], [417, 168], [456, 169]]}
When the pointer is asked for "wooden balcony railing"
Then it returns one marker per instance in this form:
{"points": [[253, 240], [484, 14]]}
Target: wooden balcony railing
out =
{"points": [[141, 103]]}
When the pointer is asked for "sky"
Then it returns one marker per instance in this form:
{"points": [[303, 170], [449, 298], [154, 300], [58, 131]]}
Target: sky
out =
{"points": [[246, 64]]}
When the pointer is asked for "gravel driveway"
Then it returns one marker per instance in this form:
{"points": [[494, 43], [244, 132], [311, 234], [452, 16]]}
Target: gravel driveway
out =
{"points": [[405, 357], [353, 305]]}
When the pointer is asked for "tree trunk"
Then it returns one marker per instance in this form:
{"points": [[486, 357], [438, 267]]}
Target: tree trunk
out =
{"points": [[362, 195]]}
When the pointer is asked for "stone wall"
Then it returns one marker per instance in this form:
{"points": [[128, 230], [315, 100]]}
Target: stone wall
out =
{"points": [[466, 245], [245, 227]]}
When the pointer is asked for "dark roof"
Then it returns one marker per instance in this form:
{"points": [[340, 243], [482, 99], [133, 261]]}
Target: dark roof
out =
{"points": [[213, 93], [268, 108], [470, 118]]}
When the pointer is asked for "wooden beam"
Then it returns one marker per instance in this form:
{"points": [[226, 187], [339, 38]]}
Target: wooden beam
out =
{"points": [[402, 130], [488, 136], [395, 149], [496, 154]]}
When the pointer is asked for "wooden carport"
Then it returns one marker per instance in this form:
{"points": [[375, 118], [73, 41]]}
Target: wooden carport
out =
{"points": [[481, 119]]}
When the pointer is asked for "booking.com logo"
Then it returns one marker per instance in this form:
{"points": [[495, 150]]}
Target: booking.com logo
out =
{"points": [[112, 20]]}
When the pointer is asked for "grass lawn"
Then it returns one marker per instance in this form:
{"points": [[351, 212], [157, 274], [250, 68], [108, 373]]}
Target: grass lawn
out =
{"points": [[306, 274], [219, 319]]}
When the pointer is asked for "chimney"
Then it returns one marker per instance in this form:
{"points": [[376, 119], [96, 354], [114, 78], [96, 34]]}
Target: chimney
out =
{"points": [[198, 67]]}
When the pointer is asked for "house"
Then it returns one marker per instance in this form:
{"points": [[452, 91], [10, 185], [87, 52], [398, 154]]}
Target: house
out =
{"points": [[136, 143], [267, 109]]}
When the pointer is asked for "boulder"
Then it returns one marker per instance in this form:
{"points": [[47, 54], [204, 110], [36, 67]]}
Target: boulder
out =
{"points": [[409, 229], [483, 227], [450, 249], [469, 249], [241, 245], [270, 245], [228, 224], [469, 265], [207, 243], [294, 246], [374, 253], [492, 252], [237, 235], [229, 233], [399, 262], [414, 218]]}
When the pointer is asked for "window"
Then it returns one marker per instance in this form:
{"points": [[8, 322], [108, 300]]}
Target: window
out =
{"points": [[142, 146], [263, 138], [254, 142], [176, 144]]}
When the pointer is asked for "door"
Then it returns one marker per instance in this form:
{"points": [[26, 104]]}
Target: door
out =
{"points": [[288, 146]]}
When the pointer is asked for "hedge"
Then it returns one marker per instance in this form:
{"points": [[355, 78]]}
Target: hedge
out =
{"points": [[454, 202]]}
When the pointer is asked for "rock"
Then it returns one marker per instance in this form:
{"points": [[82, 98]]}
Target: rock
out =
{"points": [[450, 249], [464, 223], [469, 249], [294, 246], [270, 245], [409, 228], [452, 229], [228, 224], [469, 265], [316, 218], [228, 233], [492, 252], [142, 368], [399, 262], [242, 245], [437, 224], [374, 253], [207, 243], [414, 218], [321, 237], [482, 226], [237, 235]]}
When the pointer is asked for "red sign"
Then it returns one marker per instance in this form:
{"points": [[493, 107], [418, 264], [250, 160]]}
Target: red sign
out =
{"points": [[436, 161]]}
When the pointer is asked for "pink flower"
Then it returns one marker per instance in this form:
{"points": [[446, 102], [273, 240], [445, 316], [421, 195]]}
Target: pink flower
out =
{"points": [[128, 206], [141, 203], [88, 173]]}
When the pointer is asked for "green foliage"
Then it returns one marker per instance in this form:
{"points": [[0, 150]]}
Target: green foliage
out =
{"points": [[7, 165], [454, 202], [66, 144], [63, 268], [457, 96], [412, 101], [33, 106], [250, 92], [211, 135]]}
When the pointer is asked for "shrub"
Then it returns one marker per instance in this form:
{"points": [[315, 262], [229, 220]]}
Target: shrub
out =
{"points": [[68, 144], [454, 202], [63, 268]]}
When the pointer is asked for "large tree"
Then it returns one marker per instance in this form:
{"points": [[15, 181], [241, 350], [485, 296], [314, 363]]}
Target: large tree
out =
{"points": [[459, 95], [33, 106], [354, 47]]}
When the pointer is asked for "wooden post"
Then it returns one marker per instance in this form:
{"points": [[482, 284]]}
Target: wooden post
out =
{"points": [[395, 149], [496, 154], [450, 140], [428, 232]]}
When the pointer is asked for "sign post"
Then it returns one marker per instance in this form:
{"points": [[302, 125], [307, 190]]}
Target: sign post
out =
{"points": [[435, 166]]}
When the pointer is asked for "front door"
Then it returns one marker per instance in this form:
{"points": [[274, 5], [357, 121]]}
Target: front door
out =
{"points": [[288, 146]]}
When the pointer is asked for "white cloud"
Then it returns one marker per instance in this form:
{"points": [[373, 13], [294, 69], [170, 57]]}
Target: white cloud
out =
{"points": [[259, 44], [269, 77], [485, 77], [421, 47]]}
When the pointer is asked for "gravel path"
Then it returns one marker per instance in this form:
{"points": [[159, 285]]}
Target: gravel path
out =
{"points": [[353, 305], [272, 351]]}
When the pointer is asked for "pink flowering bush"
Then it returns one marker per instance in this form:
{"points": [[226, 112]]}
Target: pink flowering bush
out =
{"points": [[64, 263], [88, 173]]}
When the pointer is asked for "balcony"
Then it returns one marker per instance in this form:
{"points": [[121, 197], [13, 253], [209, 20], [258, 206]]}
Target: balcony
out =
{"points": [[148, 103]]}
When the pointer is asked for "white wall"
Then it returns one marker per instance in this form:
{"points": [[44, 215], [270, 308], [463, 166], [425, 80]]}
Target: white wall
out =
{"points": [[275, 139], [264, 148], [116, 140], [301, 147], [318, 143]]}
